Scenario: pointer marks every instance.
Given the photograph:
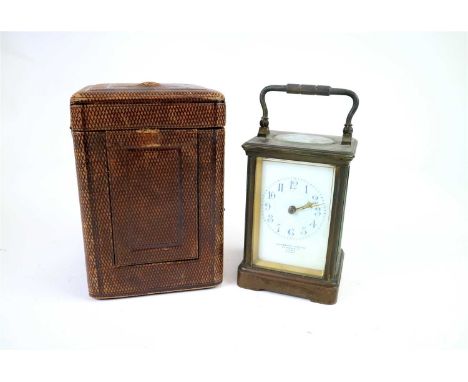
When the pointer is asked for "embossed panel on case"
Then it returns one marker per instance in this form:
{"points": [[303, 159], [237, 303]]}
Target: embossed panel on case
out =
{"points": [[153, 194]]}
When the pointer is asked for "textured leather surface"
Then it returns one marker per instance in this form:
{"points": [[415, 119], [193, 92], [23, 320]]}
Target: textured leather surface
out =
{"points": [[146, 92], [164, 116], [151, 198]]}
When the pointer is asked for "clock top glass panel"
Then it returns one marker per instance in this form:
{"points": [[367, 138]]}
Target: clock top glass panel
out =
{"points": [[292, 209], [304, 138], [325, 146]]}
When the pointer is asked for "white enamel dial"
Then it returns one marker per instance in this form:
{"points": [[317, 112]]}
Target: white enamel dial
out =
{"points": [[294, 207]]}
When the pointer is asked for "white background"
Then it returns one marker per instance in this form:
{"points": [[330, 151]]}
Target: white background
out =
{"points": [[403, 292]]}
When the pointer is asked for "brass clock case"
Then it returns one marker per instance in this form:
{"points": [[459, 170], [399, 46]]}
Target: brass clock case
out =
{"points": [[329, 150]]}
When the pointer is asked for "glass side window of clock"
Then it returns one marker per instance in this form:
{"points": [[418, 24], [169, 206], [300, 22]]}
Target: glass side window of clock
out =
{"points": [[292, 215]]}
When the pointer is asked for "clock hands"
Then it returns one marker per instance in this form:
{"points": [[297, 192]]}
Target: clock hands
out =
{"points": [[293, 209]]}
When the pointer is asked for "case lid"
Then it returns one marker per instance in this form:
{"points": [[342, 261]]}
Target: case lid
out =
{"points": [[146, 105]]}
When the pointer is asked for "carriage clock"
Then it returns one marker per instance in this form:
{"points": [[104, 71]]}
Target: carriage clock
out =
{"points": [[296, 193]]}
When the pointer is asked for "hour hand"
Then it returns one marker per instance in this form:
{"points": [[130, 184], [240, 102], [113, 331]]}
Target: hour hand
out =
{"points": [[293, 209]]}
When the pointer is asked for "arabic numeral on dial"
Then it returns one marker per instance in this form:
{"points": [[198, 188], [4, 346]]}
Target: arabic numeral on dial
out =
{"points": [[306, 188], [313, 224], [291, 232], [314, 197], [271, 195], [280, 187], [270, 218], [278, 226], [293, 184], [304, 231], [267, 206]]}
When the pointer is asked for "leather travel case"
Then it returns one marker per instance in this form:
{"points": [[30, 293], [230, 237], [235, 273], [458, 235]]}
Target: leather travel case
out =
{"points": [[150, 162]]}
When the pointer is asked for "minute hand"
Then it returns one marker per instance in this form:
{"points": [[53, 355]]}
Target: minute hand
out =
{"points": [[293, 209]]}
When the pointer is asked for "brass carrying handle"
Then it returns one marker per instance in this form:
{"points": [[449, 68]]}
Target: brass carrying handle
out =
{"points": [[264, 130]]}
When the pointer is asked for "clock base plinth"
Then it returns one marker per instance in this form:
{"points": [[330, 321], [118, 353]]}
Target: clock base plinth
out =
{"points": [[316, 290]]}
